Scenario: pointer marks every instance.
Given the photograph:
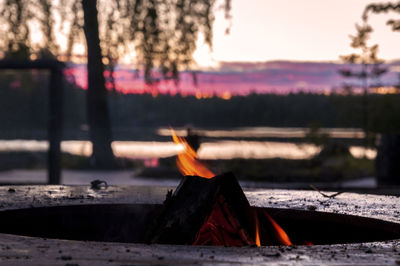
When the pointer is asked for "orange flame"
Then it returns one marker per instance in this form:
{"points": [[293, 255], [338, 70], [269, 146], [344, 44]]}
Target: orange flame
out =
{"points": [[280, 234], [188, 161], [257, 237], [189, 165]]}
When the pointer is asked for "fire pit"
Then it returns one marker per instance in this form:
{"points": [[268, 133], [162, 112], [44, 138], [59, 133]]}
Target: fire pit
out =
{"points": [[82, 213], [128, 222]]}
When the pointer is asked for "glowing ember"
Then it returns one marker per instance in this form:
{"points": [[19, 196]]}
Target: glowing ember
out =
{"points": [[308, 243], [222, 229], [188, 161]]}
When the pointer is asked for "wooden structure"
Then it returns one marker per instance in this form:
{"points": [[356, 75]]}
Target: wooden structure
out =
{"points": [[55, 94]]}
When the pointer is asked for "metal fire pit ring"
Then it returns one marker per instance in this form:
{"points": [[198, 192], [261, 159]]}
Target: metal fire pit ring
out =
{"points": [[38, 251]]}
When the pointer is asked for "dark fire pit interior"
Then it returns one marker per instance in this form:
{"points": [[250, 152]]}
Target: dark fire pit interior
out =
{"points": [[128, 223]]}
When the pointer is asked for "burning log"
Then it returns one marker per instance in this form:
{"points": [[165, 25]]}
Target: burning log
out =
{"points": [[200, 207], [211, 210]]}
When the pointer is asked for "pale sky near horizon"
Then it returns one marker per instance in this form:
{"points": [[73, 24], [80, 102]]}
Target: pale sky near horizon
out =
{"points": [[310, 30]]}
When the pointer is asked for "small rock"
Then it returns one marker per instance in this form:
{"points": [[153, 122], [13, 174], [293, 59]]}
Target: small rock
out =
{"points": [[277, 254], [98, 184], [11, 190], [368, 251], [311, 207], [66, 258]]}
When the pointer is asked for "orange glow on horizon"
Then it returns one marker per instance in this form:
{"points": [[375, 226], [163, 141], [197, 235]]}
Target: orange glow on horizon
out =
{"points": [[224, 85], [385, 90], [226, 95]]}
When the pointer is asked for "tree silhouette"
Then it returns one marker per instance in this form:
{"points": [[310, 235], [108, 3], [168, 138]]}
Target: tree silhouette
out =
{"points": [[388, 157], [384, 8], [163, 34], [369, 69]]}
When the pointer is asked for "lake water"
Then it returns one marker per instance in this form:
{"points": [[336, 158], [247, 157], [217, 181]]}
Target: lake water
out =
{"points": [[223, 149], [269, 132], [250, 146]]}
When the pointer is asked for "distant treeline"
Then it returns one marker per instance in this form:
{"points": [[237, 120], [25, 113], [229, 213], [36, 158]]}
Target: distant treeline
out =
{"points": [[293, 110], [23, 110]]}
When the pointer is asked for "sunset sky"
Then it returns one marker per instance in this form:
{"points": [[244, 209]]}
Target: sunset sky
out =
{"points": [[268, 30], [312, 30]]}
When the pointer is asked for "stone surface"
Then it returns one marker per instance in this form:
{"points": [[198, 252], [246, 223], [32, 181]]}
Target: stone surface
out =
{"points": [[18, 250]]}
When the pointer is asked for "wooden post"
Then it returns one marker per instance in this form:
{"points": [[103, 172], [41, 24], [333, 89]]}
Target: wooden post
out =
{"points": [[55, 109], [54, 127], [387, 162]]}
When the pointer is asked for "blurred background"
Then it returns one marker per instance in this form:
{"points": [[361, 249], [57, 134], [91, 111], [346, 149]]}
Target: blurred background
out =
{"points": [[284, 93]]}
